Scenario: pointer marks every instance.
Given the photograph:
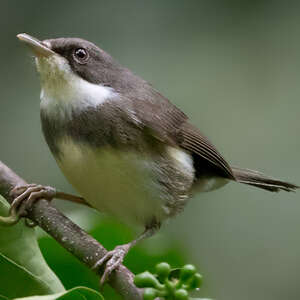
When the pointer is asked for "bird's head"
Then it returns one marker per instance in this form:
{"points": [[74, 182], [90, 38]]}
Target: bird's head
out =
{"points": [[64, 57], [73, 69]]}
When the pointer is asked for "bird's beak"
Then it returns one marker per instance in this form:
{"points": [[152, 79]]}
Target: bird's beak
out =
{"points": [[39, 48]]}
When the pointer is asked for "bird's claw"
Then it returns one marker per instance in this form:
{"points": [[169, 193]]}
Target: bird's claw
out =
{"points": [[24, 197], [113, 259]]}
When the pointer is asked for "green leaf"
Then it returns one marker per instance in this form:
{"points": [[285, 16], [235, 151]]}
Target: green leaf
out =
{"points": [[78, 293], [23, 268]]}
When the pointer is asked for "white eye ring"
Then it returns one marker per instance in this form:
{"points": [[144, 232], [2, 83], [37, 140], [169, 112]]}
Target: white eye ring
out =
{"points": [[81, 55]]}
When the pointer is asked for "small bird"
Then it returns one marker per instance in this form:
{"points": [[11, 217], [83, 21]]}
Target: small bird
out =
{"points": [[126, 149]]}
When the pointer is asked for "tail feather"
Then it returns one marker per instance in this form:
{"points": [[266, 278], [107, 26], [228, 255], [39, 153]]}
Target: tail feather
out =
{"points": [[262, 181]]}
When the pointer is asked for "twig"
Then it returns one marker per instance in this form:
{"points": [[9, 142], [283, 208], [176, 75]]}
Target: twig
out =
{"points": [[69, 235]]}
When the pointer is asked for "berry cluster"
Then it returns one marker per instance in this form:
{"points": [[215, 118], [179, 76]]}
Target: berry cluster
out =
{"points": [[167, 287]]}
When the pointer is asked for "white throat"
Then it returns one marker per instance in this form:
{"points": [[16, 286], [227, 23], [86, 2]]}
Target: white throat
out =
{"points": [[63, 91]]}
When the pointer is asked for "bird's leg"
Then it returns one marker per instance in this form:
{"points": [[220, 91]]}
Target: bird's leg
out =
{"points": [[114, 258], [26, 195]]}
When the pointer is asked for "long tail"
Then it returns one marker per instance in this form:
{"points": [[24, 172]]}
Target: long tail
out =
{"points": [[262, 181]]}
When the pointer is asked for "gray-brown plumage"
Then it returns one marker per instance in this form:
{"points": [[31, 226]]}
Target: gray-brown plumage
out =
{"points": [[125, 147]]}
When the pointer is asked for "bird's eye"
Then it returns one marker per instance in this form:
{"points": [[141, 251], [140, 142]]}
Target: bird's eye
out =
{"points": [[81, 55]]}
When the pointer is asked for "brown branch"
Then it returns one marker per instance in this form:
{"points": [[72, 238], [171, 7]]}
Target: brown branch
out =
{"points": [[70, 236]]}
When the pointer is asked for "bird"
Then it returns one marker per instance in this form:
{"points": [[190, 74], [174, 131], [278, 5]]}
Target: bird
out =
{"points": [[124, 147]]}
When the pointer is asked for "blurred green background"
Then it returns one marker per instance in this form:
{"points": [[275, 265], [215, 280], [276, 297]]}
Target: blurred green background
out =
{"points": [[233, 67]]}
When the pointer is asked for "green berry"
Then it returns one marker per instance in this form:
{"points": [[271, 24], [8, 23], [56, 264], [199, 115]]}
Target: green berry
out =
{"points": [[146, 279], [187, 272], [149, 294], [196, 281], [181, 294], [163, 270]]}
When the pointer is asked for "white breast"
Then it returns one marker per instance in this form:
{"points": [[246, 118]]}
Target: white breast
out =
{"points": [[63, 91]]}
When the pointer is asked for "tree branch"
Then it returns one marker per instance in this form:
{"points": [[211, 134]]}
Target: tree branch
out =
{"points": [[69, 235]]}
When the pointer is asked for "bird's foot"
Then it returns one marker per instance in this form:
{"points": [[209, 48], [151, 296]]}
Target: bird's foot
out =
{"points": [[24, 197], [113, 259]]}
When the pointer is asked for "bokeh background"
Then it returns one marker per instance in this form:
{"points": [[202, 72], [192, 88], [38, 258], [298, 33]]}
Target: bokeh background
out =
{"points": [[234, 68]]}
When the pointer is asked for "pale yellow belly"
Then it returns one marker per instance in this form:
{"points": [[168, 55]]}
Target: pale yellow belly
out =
{"points": [[119, 184]]}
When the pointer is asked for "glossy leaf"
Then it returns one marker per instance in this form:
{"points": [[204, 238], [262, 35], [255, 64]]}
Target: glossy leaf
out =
{"points": [[23, 268]]}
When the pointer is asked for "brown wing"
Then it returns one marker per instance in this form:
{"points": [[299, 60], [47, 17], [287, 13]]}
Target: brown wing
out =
{"points": [[206, 156], [159, 116], [166, 122]]}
